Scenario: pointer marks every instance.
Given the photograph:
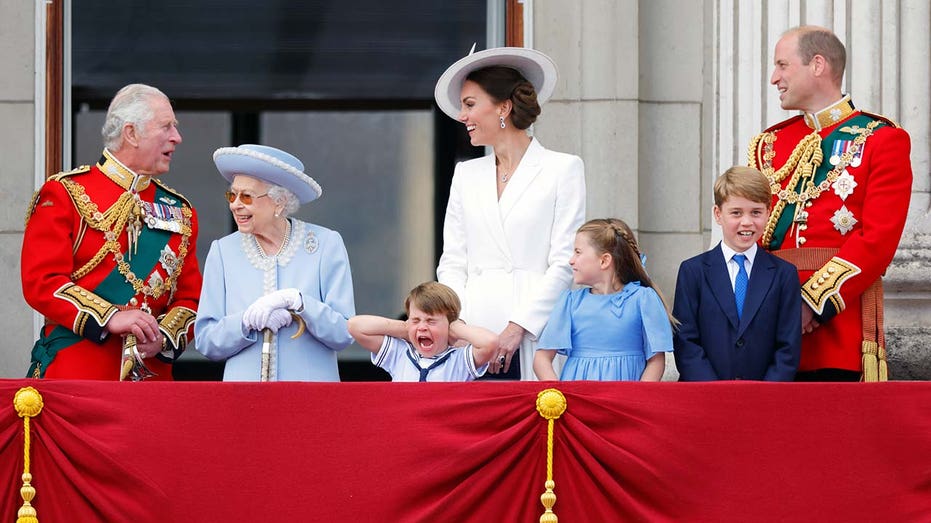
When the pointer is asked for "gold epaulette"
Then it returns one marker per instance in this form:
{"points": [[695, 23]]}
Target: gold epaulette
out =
{"points": [[31, 208], [80, 170], [174, 192], [881, 118]]}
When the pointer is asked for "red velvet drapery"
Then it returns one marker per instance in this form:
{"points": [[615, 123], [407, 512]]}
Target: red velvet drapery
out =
{"points": [[358, 452]]}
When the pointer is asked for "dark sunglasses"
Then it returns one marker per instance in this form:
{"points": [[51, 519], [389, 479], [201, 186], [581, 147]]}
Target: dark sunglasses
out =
{"points": [[244, 197]]}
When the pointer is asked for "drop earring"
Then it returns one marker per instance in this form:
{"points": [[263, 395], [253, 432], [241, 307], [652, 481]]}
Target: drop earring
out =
{"points": [[503, 125]]}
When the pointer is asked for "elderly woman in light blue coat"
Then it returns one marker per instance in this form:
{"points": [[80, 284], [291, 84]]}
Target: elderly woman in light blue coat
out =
{"points": [[278, 292]]}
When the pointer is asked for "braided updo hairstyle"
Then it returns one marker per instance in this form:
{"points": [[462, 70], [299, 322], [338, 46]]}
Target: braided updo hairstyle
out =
{"points": [[613, 236], [504, 83]]}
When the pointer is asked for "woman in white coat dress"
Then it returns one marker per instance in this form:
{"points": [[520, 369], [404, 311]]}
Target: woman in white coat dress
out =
{"points": [[512, 215]]}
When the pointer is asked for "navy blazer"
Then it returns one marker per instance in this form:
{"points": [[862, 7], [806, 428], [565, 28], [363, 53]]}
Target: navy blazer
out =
{"points": [[711, 344]]}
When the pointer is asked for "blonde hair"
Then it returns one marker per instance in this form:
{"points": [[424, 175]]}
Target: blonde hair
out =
{"points": [[434, 298], [613, 236], [745, 182]]}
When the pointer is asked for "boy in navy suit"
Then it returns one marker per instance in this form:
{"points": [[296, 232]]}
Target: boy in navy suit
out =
{"points": [[738, 304]]}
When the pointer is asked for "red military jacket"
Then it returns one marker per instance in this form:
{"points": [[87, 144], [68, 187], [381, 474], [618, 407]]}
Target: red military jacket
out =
{"points": [[854, 200], [102, 238]]}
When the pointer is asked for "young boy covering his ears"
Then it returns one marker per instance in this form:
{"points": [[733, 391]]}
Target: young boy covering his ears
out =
{"points": [[422, 348]]}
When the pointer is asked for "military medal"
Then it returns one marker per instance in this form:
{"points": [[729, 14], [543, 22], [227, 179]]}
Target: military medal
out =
{"points": [[163, 217], [857, 156], [838, 148]]}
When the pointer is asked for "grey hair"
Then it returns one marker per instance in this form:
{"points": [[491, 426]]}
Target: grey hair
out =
{"points": [[284, 196], [130, 105]]}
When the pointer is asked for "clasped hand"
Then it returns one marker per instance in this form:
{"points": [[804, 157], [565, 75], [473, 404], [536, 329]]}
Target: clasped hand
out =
{"points": [[272, 311]]}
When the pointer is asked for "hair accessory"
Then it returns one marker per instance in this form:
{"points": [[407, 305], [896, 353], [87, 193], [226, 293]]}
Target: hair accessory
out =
{"points": [[270, 165], [643, 260], [536, 67]]}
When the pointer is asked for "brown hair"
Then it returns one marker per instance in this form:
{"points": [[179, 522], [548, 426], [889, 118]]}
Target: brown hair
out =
{"points": [[745, 182], [613, 236], [434, 298], [504, 83], [814, 40]]}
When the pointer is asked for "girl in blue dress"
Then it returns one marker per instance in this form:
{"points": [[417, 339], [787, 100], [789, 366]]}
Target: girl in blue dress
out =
{"points": [[617, 328]]}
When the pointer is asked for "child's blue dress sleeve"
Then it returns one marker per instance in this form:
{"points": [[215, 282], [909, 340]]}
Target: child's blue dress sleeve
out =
{"points": [[657, 332], [557, 334]]}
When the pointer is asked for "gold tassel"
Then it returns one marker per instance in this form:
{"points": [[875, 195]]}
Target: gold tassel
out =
{"points": [[870, 363], [883, 366], [28, 404], [550, 404]]}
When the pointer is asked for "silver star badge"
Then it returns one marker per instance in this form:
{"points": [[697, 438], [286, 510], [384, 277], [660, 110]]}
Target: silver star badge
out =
{"points": [[844, 185], [169, 260], [843, 220]]}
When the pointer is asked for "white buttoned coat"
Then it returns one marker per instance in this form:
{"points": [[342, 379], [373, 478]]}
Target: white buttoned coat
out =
{"points": [[508, 259]]}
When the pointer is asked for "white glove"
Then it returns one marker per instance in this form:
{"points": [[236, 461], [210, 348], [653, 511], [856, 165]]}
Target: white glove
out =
{"points": [[282, 299], [257, 315], [278, 319]]}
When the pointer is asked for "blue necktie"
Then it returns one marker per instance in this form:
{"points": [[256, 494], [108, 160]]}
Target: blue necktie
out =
{"points": [[740, 283]]}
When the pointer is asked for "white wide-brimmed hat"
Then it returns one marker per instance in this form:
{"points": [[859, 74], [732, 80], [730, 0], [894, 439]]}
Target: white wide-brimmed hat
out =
{"points": [[536, 67], [267, 164]]}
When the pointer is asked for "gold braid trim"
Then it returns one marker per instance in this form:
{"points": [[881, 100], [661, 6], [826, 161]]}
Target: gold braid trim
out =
{"points": [[160, 287], [55, 177], [31, 208], [175, 324], [805, 160], [111, 223], [802, 163], [88, 305], [826, 282]]}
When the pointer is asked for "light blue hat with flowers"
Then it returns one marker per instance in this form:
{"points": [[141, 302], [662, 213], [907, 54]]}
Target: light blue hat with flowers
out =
{"points": [[270, 165]]}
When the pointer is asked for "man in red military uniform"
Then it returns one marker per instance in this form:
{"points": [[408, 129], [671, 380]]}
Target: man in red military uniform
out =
{"points": [[109, 253], [841, 181]]}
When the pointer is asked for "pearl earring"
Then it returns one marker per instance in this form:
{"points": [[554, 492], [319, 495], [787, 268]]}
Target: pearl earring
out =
{"points": [[503, 125]]}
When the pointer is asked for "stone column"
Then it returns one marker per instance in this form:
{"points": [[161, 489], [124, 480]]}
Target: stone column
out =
{"points": [[18, 148], [629, 102]]}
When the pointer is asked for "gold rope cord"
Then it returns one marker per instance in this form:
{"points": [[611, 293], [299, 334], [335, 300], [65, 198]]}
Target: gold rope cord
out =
{"points": [[28, 404], [111, 223], [550, 404]]}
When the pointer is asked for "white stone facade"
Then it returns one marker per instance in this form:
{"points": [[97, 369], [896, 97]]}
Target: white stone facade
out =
{"points": [[656, 96]]}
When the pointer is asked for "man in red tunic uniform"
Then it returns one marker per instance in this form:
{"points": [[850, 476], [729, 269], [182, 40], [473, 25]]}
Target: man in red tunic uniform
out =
{"points": [[109, 252], [841, 181]]}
